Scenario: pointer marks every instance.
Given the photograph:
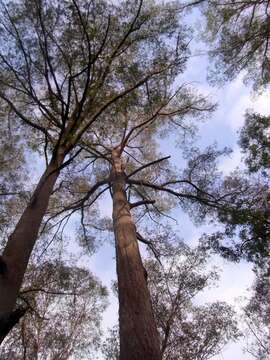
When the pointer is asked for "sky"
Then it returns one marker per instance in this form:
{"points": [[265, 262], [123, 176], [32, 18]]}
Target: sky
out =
{"points": [[222, 127]]}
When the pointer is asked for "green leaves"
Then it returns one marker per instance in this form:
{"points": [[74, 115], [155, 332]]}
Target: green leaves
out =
{"points": [[255, 142], [65, 306], [238, 33]]}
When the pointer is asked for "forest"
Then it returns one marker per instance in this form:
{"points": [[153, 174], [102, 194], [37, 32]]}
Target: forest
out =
{"points": [[134, 179]]}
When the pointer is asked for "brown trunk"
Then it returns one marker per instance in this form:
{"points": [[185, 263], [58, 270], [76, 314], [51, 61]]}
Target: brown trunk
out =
{"points": [[17, 252], [139, 338]]}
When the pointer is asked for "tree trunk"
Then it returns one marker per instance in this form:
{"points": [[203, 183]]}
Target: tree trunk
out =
{"points": [[139, 338], [20, 244]]}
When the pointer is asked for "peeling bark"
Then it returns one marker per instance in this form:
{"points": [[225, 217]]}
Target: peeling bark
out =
{"points": [[138, 333]]}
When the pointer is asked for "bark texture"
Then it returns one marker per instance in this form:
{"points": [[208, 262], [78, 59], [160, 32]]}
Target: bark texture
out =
{"points": [[139, 338], [15, 257]]}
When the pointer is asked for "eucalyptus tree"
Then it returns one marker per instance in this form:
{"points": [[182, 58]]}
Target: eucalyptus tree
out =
{"points": [[63, 65], [141, 191], [64, 306], [238, 34], [257, 315], [188, 331], [254, 141], [247, 226]]}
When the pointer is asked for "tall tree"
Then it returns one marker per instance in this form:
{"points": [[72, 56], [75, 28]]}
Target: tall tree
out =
{"points": [[63, 65], [154, 187], [124, 133]]}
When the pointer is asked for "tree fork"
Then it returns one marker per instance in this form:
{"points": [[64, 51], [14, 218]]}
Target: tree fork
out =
{"points": [[139, 337], [16, 254]]}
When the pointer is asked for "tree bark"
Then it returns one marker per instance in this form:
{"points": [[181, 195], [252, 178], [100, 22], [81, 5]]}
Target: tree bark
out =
{"points": [[20, 244], [139, 338]]}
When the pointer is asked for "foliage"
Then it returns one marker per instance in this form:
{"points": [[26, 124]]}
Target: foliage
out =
{"points": [[65, 303], [187, 330], [246, 216], [255, 142], [13, 174], [257, 315], [238, 34], [245, 230], [64, 63], [110, 346], [88, 77]]}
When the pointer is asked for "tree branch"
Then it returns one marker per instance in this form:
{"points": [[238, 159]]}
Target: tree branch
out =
{"points": [[147, 165], [142, 202], [150, 245]]}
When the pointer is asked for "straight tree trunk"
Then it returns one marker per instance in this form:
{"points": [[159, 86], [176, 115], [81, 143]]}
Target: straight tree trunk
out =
{"points": [[139, 338], [15, 257]]}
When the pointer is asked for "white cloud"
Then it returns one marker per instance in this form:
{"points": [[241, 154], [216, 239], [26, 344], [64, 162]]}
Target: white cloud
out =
{"points": [[238, 99], [231, 162], [261, 104]]}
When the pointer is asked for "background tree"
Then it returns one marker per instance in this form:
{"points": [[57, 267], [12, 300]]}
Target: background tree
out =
{"points": [[257, 315], [244, 230], [254, 142], [187, 330], [238, 34], [64, 309]]}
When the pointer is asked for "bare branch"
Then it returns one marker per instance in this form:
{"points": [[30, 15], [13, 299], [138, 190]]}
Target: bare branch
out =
{"points": [[23, 292], [179, 195], [115, 99], [150, 245], [147, 165], [142, 202]]}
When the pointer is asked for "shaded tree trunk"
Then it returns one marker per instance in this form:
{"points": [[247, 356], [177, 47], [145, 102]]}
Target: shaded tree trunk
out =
{"points": [[8, 322], [139, 338], [15, 257]]}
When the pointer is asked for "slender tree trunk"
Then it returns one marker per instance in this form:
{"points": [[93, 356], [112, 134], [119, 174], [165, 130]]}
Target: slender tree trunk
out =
{"points": [[139, 338], [20, 244]]}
